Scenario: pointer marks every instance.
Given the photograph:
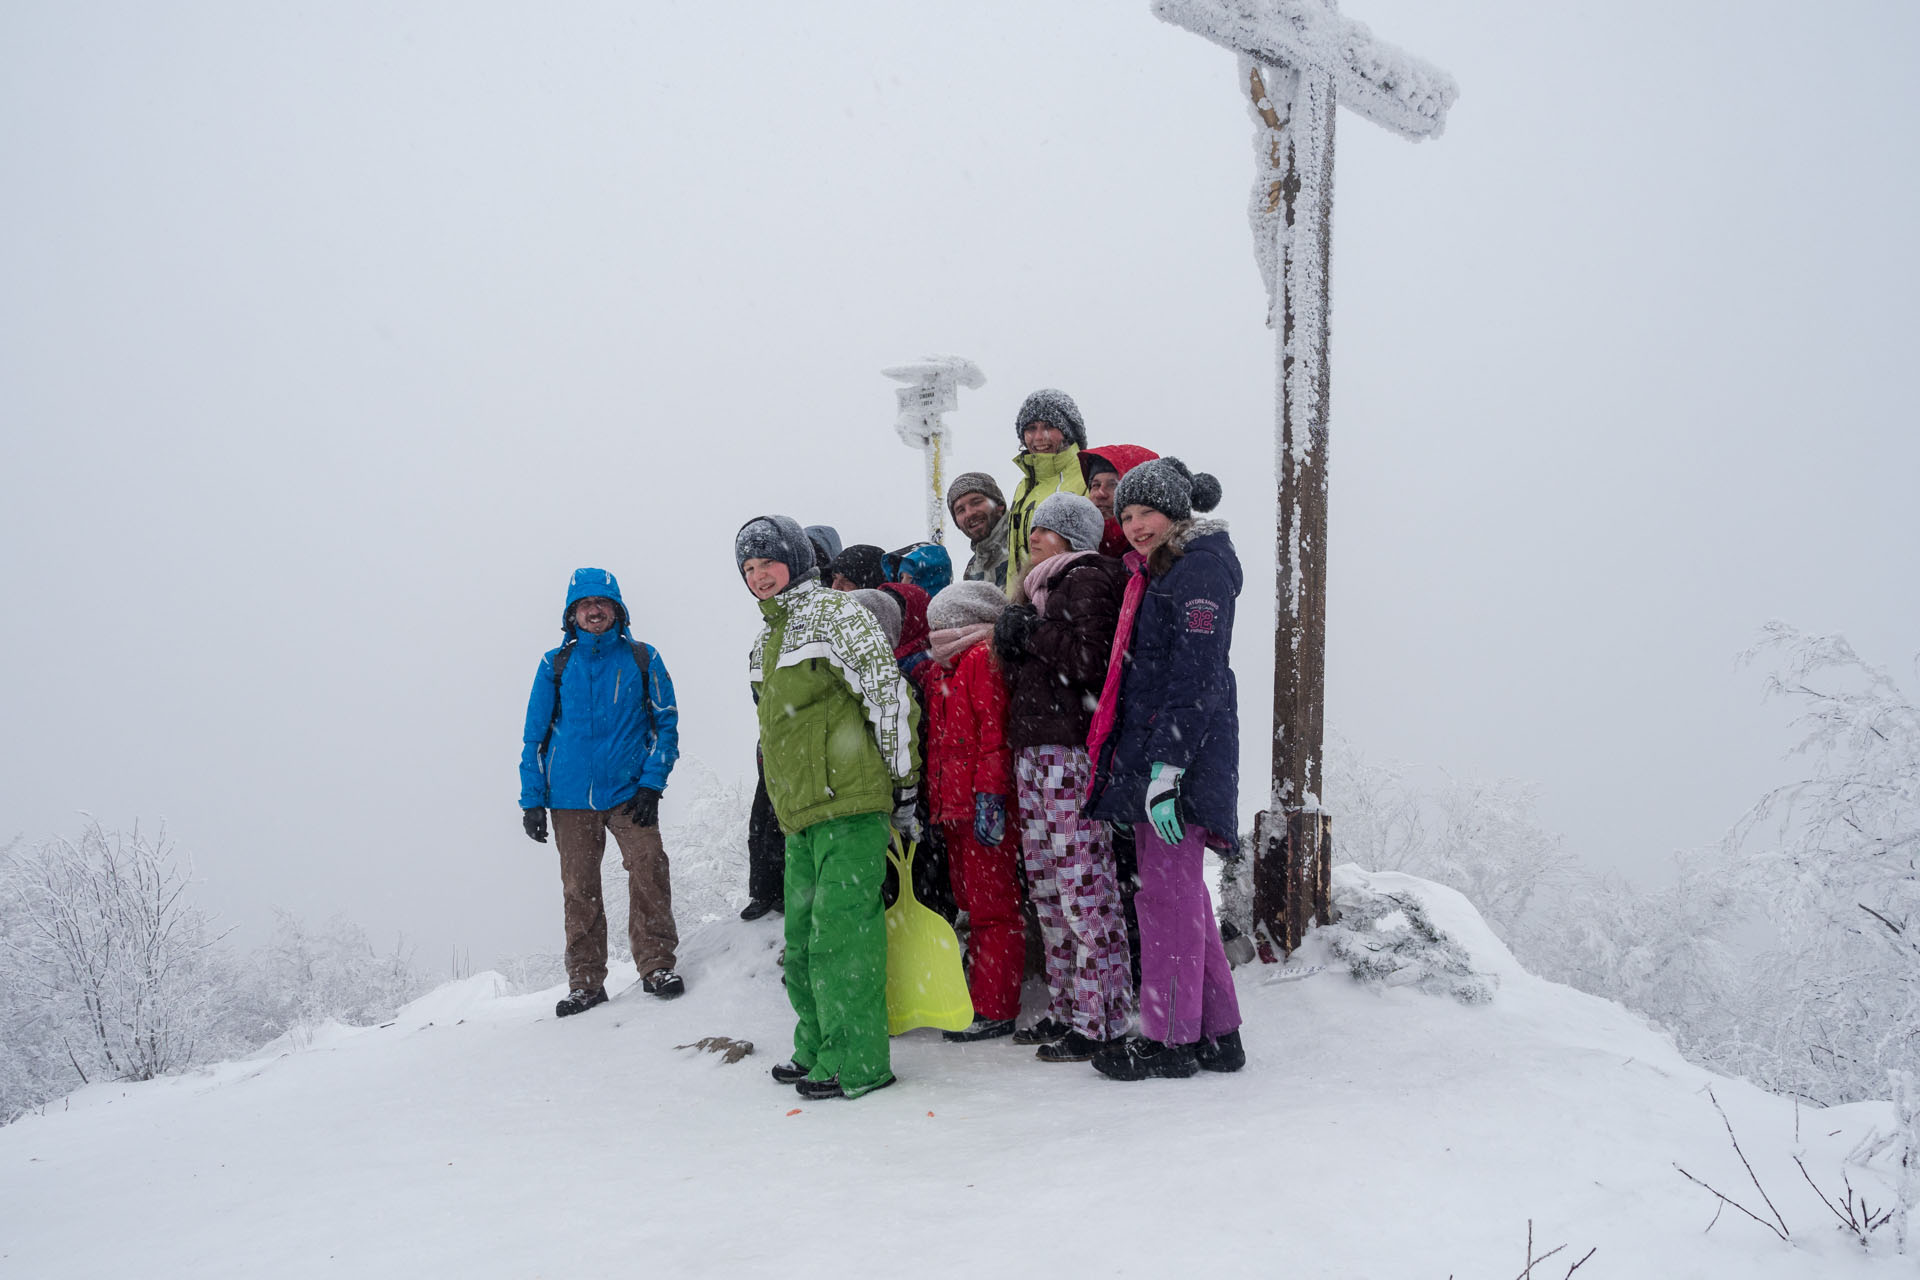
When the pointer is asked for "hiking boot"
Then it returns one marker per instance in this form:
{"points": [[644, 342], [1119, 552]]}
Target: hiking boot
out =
{"points": [[1222, 1053], [758, 907], [579, 1000], [664, 983], [1045, 1031], [980, 1029], [1139, 1058], [1072, 1047], [820, 1090], [788, 1073]]}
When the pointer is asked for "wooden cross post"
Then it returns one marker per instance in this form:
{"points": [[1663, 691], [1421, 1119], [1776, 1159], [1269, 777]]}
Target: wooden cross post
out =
{"points": [[1298, 60]]}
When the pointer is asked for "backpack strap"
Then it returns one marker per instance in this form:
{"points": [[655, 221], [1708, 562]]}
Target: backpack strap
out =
{"points": [[559, 666], [640, 655]]}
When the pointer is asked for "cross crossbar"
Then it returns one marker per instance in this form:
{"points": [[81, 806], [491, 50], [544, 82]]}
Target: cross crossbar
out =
{"points": [[1379, 81]]}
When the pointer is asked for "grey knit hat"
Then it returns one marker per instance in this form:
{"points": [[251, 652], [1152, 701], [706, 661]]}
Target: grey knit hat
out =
{"points": [[883, 606], [974, 482], [965, 603], [1055, 408], [776, 538], [1073, 518], [1167, 486]]}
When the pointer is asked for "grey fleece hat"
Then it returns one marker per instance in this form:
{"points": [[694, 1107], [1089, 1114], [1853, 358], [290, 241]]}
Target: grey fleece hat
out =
{"points": [[1073, 518], [1168, 487], [974, 482], [775, 538], [883, 606], [965, 603], [1056, 408]]}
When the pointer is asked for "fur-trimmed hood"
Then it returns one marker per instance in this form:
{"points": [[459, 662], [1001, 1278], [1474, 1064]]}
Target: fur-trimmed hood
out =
{"points": [[1185, 534]]}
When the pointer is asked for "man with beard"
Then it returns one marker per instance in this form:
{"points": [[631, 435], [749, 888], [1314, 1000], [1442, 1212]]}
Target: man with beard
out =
{"points": [[980, 509]]}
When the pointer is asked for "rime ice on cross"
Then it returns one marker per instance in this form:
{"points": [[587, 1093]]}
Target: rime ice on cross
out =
{"points": [[1298, 59]]}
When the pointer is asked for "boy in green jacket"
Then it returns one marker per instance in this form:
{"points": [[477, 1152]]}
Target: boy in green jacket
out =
{"points": [[837, 724]]}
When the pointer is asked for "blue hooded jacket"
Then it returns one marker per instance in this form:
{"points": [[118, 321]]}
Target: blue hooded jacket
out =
{"points": [[608, 740], [924, 564], [1178, 699]]}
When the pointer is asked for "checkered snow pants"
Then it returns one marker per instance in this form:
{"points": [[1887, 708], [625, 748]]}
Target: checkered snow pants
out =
{"points": [[1071, 883]]}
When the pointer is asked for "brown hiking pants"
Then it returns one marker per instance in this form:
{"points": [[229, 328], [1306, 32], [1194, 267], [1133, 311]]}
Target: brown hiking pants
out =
{"points": [[581, 835]]}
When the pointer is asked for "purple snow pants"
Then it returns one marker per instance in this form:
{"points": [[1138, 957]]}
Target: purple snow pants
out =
{"points": [[1186, 989]]}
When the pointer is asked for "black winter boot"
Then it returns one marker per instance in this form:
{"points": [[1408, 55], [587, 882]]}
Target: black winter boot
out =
{"points": [[980, 1029], [759, 907], [1045, 1031], [579, 1000], [1139, 1058], [1072, 1047], [664, 983], [819, 1090], [788, 1073], [1222, 1053]]}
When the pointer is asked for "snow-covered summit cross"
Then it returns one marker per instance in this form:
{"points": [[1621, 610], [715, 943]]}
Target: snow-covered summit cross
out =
{"points": [[1298, 60]]}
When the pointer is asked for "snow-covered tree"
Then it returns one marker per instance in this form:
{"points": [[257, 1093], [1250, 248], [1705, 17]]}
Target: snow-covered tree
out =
{"points": [[1835, 857], [305, 976], [118, 972]]}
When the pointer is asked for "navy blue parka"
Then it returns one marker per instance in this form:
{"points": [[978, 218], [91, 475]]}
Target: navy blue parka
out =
{"points": [[1178, 701]]}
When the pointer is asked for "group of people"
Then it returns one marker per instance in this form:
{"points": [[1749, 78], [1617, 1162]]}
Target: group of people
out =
{"points": [[1057, 730]]}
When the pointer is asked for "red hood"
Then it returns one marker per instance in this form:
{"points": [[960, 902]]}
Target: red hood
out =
{"points": [[1124, 457], [913, 617]]}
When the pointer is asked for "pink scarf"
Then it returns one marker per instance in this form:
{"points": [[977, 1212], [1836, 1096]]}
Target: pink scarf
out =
{"points": [[1109, 709], [950, 642], [1037, 577]]}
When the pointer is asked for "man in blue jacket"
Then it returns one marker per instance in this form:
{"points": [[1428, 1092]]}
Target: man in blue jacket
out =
{"points": [[602, 734]]}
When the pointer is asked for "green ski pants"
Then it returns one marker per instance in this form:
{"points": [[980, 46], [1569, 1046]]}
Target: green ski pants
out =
{"points": [[836, 964]]}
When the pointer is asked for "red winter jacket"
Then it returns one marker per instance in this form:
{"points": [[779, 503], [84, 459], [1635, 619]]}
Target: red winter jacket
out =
{"points": [[966, 733], [1124, 457]]}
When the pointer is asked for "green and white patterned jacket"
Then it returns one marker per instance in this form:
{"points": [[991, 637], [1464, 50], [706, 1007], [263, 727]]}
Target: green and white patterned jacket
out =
{"points": [[837, 719]]}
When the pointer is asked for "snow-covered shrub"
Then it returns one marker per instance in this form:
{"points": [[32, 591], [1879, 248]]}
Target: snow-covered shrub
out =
{"points": [[121, 976], [1387, 939], [534, 971], [1835, 859], [707, 843], [305, 976], [1480, 836]]}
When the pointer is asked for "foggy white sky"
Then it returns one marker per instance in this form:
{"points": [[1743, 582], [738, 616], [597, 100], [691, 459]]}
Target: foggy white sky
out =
{"points": [[332, 338]]}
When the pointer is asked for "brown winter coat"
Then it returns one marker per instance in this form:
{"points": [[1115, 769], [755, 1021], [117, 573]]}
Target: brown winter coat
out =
{"points": [[1053, 687]]}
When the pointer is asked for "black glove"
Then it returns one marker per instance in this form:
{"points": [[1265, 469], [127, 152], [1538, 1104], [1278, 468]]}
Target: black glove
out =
{"points": [[1016, 626], [644, 809], [535, 821]]}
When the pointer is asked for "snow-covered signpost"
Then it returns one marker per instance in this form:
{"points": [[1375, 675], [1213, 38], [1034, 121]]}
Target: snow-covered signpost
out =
{"points": [[932, 389], [1298, 60]]}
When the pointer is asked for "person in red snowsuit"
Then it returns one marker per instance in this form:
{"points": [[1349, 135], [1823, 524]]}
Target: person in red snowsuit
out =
{"points": [[969, 786]]}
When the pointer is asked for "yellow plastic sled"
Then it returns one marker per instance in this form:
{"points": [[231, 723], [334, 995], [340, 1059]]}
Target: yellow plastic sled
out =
{"points": [[926, 987]]}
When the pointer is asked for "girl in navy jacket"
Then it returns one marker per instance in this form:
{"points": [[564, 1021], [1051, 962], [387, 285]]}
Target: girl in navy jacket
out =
{"points": [[1167, 738]]}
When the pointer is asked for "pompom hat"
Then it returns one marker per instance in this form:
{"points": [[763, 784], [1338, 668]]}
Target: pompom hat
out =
{"points": [[1166, 485]]}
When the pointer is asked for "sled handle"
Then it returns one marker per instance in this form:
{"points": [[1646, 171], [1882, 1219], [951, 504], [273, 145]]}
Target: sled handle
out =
{"points": [[900, 851]]}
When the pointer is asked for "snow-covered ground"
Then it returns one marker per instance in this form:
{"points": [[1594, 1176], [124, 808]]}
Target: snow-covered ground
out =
{"points": [[1374, 1133]]}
